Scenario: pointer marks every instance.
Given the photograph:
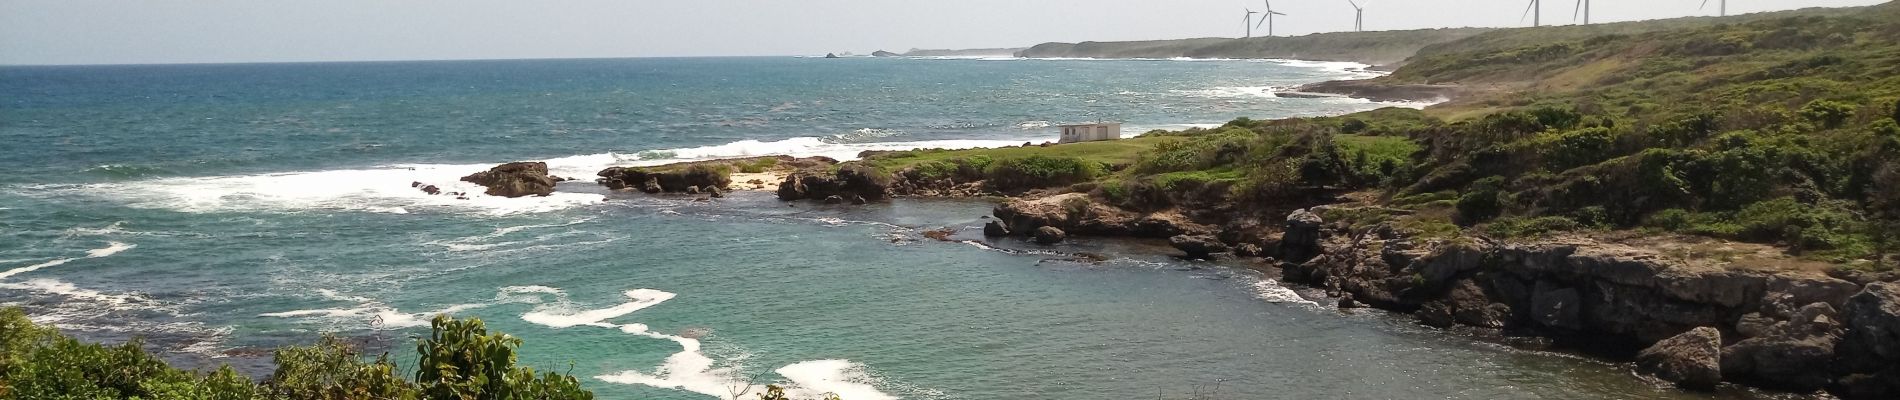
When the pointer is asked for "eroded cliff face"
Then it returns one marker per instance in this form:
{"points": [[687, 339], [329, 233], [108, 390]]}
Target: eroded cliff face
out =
{"points": [[1799, 331]]}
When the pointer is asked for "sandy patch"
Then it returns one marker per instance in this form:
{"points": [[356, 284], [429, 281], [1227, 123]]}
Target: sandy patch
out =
{"points": [[763, 181]]}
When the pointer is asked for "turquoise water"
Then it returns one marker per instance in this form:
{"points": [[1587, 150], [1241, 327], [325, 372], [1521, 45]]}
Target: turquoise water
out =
{"points": [[219, 210]]}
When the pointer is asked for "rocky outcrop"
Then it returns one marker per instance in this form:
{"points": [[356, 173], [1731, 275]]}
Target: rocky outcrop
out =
{"points": [[1691, 360], [1200, 247], [850, 181], [515, 179], [995, 229], [1049, 235], [881, 53], [1076, 213], [689, 178], [1378, 90], [1870, 345], [1301, 239], [1788, 330]]}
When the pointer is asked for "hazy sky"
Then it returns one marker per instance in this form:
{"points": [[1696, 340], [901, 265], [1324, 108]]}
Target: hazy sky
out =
{"points": [[172, 31]]}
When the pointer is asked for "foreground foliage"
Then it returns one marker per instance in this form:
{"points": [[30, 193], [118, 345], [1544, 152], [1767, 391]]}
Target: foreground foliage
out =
{"points": [[460, 360]]}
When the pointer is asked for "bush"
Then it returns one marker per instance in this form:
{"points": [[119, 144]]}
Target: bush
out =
{"points": [[1482, 202], [1269, 182], [460, 360], [1828, 114], [1039, 171]]}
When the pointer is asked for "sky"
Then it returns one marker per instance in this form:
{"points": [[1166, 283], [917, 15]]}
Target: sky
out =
{"points": [[208, 31]]}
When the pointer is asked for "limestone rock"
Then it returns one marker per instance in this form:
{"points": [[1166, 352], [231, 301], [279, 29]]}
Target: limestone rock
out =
{"points": [[834, 199], [995, 229], [515, 179], [1198, 246], [1556, 308], [1874, 315], [1302, 238], [1691, 359], [848, 182], [1050, 235]]}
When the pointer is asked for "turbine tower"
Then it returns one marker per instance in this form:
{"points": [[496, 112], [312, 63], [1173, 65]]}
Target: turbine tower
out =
{"points": [[1269, 19], [1583, 6], [1536, 12], [1248, 23], [1723, 7], [1358, 15]]}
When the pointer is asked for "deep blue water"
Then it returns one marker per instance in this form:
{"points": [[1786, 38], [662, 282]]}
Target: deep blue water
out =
{"points": [[220, 210]]}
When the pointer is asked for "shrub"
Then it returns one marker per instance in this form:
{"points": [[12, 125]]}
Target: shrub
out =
{"points": [[332, 369], [1577, 148], [1269, 182], [1039, 171], [1828, 114], [1482, 202], [460, 360]]}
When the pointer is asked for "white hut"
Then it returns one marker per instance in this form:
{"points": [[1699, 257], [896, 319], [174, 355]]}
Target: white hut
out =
{"points": [[1091, 132]]}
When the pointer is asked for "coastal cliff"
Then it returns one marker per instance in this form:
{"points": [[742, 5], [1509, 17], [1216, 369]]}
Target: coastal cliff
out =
{"points": [[1788, 330]]}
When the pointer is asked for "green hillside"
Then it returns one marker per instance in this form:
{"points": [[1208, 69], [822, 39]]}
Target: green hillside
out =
{"points": [[1779, 129]]}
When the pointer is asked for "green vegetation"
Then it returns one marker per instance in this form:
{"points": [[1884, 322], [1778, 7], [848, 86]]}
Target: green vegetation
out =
{"points": [[1777, 128], [460, 360]]}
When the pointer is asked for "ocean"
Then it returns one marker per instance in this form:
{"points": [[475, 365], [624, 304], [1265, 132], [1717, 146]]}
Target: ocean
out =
{"points": [[222, 210]]}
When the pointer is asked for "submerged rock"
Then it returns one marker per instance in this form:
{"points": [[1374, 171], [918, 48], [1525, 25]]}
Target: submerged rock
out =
{"points": [[1198, 246], [995, 229], [515, 179], [1691, 359], [1050, 235]]}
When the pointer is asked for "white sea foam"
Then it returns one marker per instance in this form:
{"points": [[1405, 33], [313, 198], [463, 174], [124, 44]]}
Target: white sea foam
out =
{"points": [[689, 370], [377, 314], [1233, 92], [1273, 292], [486, 242], [380, 190], [556, 316], [812, 379], [110, 249], [588, 164], [58, 287]]}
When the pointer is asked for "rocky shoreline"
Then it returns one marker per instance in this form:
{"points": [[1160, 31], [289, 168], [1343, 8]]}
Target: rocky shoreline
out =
{"points": [[1696, 324]]}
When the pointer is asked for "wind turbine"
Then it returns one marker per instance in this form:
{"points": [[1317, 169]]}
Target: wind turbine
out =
{"points": [[1248, 23], [1584, 7], [1536, 12], [1359, 15], [1723, 7], [1269, 19]]}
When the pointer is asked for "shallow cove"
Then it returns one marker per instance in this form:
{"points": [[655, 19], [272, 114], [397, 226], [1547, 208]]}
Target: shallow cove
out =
{"points": [[224, 210]]}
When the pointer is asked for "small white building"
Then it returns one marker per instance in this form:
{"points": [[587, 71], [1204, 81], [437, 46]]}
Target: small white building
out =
{"points": [[1091, 132]]}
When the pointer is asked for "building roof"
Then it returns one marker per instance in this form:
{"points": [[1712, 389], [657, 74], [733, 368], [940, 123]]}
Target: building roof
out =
{"points": [[1093, 124]]}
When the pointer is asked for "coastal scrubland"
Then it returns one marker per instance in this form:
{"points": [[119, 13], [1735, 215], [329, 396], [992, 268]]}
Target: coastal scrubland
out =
{"points": [[1777, 129]]}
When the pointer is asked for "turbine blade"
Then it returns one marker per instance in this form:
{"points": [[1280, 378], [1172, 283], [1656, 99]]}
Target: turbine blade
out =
{"points": [[1278, 13], [1705, 5], [1527, 11], [1577, 12], [1263, 21]]}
